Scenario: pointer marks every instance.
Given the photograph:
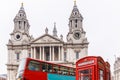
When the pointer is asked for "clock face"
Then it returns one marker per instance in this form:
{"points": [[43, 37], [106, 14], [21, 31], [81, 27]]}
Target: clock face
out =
{"points": [[18, 36], [77, 35]]}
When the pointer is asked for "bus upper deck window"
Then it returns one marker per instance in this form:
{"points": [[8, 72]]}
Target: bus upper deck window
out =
{"points": [[44, 67], [64, 70], [56, 69], [71, 70], [34, 65], [49, 67]]}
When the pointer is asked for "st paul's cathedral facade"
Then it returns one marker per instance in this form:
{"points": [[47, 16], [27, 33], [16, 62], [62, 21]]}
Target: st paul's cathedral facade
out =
{"points": [[47, 47]]}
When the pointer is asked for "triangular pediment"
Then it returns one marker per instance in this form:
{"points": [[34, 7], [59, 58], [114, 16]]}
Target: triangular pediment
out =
{"points": [[46, 38]]}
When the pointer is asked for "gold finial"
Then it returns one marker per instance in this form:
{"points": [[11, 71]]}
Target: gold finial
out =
{"points": [[22, 4], [74, 2]]}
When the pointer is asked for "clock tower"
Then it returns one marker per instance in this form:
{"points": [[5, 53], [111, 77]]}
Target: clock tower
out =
{"points": [[77, 43], [18, 46], [76, 33], [21, 27]]}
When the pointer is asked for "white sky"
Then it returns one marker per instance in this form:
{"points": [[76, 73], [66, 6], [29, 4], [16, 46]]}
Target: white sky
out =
{"points": [[101, 23]]}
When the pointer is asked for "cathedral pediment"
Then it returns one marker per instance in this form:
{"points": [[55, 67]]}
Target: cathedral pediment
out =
{"points": [[46, 38]]}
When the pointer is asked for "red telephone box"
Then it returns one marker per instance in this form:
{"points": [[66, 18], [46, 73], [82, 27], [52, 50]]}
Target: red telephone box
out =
{"points": [[92, 68]]}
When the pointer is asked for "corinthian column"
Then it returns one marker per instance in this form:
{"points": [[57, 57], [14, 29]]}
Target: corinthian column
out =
{"points": [[40, 52], [31, 52], [59, 54], [53, 52], [34, 53], [43, 54], [50, 54]]}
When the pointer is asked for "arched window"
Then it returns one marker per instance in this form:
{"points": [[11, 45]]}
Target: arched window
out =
{"points": [[76, 21], [24, 24], [19, 25], [75, 13], [76, 25]]}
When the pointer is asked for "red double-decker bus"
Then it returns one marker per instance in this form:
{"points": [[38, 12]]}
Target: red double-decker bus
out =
{"points": [[92, 68], [33, 69]]}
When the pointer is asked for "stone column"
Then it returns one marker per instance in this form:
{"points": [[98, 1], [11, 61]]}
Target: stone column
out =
{"points": [[40, 52], [53, 53], [62, 55], [34, 52], [50, 54], [31, 52], [59, 54], [43, 53]]}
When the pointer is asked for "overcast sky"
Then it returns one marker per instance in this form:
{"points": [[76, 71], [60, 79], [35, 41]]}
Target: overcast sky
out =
{"points": [[101, 23]]}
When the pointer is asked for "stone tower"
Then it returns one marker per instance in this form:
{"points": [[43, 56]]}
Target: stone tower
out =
{"points": [[18, 46], [76, 40]]}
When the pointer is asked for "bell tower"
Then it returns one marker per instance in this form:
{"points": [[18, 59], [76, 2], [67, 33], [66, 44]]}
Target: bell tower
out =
{"points": [[77, 44], [21, 25], [18, 46], [76, 33]]}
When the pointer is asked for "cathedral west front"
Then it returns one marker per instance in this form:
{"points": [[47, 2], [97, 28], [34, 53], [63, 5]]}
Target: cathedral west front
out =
{"points": [[46, 47]]}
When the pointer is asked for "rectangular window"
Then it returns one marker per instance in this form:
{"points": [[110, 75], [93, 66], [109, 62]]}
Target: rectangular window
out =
{"points": [[65, 56], [101, 75], [77, 55], [85, 74], [29, 54], [17, 56]]}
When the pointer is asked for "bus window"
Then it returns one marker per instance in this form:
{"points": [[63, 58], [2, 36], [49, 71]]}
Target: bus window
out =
{"points": [[55, 68], [44, 67], [72, 71], [49, 67], [34, 65], [85, 74], [101, 74], [64, 70]]}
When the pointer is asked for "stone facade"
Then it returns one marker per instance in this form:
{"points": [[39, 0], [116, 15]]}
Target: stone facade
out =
{"points": [[46, 47], [117, 69]]}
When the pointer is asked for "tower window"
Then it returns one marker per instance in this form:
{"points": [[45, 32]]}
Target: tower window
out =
{"points": [[75, 13], [19, 25], [24, 24], [76, 25], [76, 21], [71, 22], [77, 55]]}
